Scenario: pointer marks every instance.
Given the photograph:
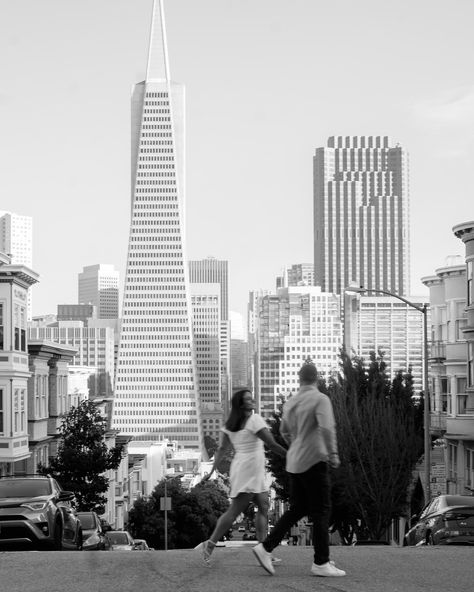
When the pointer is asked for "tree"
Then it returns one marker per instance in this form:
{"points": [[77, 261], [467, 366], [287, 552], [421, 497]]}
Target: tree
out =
{"points": [[83, 457], [379, 442], [191, 519], [275, 462], [210, 445]]}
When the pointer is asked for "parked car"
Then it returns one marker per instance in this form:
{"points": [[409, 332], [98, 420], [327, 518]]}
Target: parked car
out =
{"points": [[92, 533], [447, 519], [249, 537], [119, 540], [37, 512], [140, 545], [241, 529]]}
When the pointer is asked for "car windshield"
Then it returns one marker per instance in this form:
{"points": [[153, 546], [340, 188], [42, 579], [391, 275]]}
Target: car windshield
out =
{"points": [[118, 538], [87, 521], [24, 488], [460, 500]]}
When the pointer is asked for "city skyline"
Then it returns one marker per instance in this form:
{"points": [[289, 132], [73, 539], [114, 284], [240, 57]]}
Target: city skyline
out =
{"points": [[244, 131]]}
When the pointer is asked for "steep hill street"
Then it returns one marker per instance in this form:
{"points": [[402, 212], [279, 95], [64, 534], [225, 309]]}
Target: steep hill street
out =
{"points": [[369, 569]]}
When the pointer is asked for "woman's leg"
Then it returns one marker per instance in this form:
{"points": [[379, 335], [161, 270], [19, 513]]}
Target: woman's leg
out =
{"points": [[261, 519], [237, 506]]}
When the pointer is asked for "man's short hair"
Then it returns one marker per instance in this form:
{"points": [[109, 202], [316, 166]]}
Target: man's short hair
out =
{"points": [[308, 373]]}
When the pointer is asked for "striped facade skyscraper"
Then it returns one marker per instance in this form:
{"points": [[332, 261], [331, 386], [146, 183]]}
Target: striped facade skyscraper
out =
{"points": [[156, 394], [212, 271], [361, 215]]}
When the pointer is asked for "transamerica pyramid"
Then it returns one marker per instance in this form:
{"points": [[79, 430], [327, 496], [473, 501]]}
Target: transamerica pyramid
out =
{"points": [[156, 388]]}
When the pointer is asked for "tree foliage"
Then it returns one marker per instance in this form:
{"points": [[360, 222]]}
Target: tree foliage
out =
{"points": [[275, 462], [83, 457], [210, 445], [380, 441], [191, 519]]}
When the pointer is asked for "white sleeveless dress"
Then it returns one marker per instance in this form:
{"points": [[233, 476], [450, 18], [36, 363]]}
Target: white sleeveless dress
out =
{"points": [[247, 469]]}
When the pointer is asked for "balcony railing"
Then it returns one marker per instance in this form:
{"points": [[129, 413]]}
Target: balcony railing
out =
{"points": [[437, 350]]}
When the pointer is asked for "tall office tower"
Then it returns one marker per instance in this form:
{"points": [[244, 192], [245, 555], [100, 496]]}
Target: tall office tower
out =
{"points": [[99, 285], [252, 316], [207, 337], [361, 215], [239, 351], [293, 325], [156, 394], [212, 271], [215, 271], [16, 240], [206, 328], [299, 274], [385, 323]]}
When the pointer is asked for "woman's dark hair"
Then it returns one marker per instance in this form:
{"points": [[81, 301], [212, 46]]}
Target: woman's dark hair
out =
{"points": [[237, 415]]}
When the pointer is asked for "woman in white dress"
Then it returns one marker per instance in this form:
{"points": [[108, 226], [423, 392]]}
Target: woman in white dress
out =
{"points": [[246, 432]]}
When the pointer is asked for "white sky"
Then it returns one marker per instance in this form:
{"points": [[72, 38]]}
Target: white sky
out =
{"points": [[267, 82]]}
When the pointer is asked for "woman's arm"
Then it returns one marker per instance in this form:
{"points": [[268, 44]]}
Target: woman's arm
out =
{"points": [[270, 442], [224, 445]]}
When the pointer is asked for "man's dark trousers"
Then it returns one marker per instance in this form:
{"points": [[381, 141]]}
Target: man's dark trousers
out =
{"points": [[310, 495]]}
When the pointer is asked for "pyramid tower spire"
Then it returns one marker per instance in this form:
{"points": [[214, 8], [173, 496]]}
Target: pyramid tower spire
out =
{"points": [[156, 395], [157, 67]]}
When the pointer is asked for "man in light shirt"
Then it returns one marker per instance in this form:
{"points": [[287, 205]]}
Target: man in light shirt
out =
{"points": [[309, 429]]}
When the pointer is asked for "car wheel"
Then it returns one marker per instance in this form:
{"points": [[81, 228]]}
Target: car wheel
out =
{"points": [[79, 541], [58, 536]]}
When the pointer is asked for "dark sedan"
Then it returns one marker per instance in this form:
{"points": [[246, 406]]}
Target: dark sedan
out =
{"points": [[92, 533], [447, 519]]}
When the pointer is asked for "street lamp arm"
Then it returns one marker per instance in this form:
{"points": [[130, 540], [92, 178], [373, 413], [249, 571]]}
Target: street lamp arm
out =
{"points": [[360, 289]]}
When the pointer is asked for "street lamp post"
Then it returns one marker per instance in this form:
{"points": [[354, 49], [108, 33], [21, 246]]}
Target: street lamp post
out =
{"points": [[165, 503], [426, 399]]}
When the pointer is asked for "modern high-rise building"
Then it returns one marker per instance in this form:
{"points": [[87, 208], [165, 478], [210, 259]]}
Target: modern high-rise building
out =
{"points": [[206, 328], [94, 349], [361, 215], [212, 271], [156, 395], [16, 240], [215, 272], [292, 326], [386, 324], [299, 274], [239, 351], [99, 285]]}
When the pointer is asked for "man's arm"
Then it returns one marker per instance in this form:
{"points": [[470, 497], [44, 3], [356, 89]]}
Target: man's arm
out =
{"points": [[325, 419]]}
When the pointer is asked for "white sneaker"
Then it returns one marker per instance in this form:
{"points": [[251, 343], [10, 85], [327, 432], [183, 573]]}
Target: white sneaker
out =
{"points": [[327, 570], [264, 558]]}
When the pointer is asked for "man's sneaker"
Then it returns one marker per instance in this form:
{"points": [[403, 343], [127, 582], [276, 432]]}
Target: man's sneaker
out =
{"points": [[276, 560], [327, 570], [264, 558]]}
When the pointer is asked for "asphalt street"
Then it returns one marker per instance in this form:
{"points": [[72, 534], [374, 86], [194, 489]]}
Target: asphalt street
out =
{"points": [[234, 569]]}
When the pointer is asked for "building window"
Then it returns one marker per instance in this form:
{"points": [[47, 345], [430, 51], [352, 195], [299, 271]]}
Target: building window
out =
{"points": [[19, 323], [1, 411], [469, 469], [470, 363], [470, 274], [452, 461], [16, 410], [1, 326], [22, 410]]}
